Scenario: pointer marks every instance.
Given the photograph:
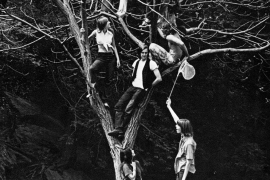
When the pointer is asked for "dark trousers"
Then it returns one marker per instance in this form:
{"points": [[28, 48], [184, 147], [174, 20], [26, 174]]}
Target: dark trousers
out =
{"points": [[125, 106], [103, 59], [179, 175]]}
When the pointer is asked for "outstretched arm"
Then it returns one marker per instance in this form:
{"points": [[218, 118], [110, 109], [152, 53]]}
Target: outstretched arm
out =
{"points": [[175, 117], [92, 34]]}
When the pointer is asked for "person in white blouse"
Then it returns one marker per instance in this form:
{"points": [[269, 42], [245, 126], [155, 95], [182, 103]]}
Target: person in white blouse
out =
{"points": [[145, 75], [106, 50]]}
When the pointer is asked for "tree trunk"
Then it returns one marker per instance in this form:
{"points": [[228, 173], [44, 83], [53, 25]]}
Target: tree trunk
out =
{"points": [[104, 115]]}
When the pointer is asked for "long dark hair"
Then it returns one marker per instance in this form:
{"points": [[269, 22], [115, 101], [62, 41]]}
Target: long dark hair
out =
{"points": [[126, 158], [186, 127], [102, 22]]}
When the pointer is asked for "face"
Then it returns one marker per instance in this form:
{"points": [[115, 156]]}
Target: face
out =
{"points": [[144, 54], [178, 128], [108, 25], [165, 31]]}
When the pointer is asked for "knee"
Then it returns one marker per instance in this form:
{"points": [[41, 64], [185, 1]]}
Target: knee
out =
{"points": [[91, 69], [152, 46]]}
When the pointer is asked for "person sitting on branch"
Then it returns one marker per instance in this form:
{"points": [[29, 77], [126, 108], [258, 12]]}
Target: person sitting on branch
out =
{"points": [[145, 75], [176, 45]]}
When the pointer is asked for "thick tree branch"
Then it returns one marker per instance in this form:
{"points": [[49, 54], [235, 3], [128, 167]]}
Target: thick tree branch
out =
{"points": [[227, 2], [235, 33], [212, 51]]}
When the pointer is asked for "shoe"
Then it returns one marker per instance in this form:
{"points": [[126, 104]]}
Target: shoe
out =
{"points": [[120, 136], [115, 132], [106, 105], [92, 85]]}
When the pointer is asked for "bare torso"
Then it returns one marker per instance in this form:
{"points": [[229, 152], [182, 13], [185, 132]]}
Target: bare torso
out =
{"points": [[175, 49]]}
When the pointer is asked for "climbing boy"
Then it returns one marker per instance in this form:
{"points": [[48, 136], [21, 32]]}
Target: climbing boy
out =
{"points": [[145, 75]]}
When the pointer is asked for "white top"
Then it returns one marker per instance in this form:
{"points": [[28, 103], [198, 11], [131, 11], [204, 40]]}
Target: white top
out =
{"points": [[138, 81], [104, 41]]}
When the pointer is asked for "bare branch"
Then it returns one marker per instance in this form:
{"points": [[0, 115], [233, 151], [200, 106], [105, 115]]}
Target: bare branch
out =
{"points": [[20, 47], [137, 41], [212, 51], [239, 32]]}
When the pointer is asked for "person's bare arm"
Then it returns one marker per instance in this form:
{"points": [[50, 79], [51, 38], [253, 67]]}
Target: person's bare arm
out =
{"points": [[161, 33], [174, 115], [116, 53], [179, 42], [133, 175], [158, 77], [186, 169], [93, 34], [195, 29]]}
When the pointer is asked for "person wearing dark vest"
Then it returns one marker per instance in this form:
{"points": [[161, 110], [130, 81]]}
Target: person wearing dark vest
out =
{"points": [[145, 75]]}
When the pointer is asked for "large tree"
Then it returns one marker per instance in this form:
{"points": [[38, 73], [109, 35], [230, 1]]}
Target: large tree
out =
{"points": [[224, 28]]}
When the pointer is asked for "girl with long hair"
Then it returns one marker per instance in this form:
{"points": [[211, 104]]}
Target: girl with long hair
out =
{"points": [[130, 169], [185, 158], [106, 50]]}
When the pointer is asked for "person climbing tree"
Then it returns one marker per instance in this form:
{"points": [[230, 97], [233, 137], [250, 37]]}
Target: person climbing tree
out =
{"points": [[166, 26], [145, 75], [185, 158], [106, 47], [176, 45], [129, 168]]}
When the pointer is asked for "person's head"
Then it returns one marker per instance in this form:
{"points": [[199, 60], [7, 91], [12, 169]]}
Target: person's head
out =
{"points": [[143, 53], [103, 23], [126, 156], [168, 29], [184, 127]]}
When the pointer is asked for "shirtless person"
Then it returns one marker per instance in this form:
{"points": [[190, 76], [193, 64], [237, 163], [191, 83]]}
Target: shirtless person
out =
{"points": [[176, 45]]}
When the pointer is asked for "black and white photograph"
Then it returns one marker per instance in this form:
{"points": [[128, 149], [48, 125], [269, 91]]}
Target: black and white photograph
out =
{"points": [[134, 89]]}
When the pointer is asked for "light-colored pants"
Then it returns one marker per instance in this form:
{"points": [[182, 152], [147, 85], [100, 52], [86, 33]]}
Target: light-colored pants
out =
{"points": [[159, 54]]}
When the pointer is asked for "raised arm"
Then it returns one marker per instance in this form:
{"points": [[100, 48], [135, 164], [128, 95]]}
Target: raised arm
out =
{"points": [[174, 115]]}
